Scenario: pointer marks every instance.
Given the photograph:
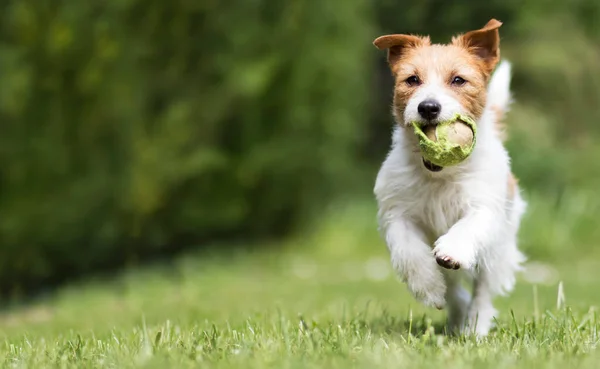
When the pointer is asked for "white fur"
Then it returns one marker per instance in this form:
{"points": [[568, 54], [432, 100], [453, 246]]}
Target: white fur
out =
{"points": [[499, 86], [433, 90], [463, 213]]}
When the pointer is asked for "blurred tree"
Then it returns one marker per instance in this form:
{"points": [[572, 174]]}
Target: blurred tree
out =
{"points": [[130, 127]]}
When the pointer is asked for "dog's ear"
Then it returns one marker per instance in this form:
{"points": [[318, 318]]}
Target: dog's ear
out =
{"points": [[396, 46], [483, 43]]}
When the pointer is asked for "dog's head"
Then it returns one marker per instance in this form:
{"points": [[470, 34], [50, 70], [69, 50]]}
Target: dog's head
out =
{"points": [[434, 82]]}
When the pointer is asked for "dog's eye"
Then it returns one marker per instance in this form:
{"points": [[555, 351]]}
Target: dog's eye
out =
{"points": [[413, 81], [458, 81]]}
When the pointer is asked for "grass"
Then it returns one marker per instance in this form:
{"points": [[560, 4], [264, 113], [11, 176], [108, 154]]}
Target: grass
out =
{"points": [[328, 299]]}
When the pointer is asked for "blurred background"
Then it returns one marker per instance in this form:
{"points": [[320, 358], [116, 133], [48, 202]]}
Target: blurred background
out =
{"points": [[132, 131]]}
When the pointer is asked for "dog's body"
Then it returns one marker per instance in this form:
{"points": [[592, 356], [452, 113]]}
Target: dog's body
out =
{"points": [[465, 216]]}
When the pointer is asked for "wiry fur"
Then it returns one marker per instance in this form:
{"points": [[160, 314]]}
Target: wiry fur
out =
{"points": [[468, 213]]}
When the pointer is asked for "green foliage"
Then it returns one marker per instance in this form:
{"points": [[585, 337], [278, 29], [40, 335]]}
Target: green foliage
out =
{"points": [[133, 126], [130, 128]]}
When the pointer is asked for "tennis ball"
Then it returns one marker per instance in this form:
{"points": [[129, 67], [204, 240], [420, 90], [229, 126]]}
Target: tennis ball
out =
{"points": [[447, 143]]}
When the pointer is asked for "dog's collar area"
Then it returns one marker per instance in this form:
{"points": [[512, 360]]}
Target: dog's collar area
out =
{"points": [[431, 167]]}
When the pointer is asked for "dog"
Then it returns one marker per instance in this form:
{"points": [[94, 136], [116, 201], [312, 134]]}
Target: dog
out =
{"points": [[465, 217]]}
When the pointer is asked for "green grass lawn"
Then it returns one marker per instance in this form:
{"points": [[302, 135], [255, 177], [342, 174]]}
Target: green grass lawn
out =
{"points": [[328, 299]]}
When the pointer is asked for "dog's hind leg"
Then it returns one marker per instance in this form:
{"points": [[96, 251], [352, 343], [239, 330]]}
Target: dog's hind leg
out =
{"points": [[458, 300], [494, 278], [481, 313]]}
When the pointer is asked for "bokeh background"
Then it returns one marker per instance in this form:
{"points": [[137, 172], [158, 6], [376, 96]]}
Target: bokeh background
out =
{"points": [[134, 131]]}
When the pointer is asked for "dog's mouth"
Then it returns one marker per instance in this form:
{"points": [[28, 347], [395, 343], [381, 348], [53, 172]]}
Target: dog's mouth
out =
{"points": [[431, 167]]}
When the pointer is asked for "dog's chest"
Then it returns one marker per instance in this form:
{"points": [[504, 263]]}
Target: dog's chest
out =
{"points": [[438, 206]]}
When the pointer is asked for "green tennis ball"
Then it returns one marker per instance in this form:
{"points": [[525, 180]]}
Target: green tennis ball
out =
{"points": [[447, 143]]}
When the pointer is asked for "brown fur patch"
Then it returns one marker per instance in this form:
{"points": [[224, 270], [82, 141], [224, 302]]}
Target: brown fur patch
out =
{"points": [[499, 123], [471, 56], [484, 43], [397, 45], [441, 63]]}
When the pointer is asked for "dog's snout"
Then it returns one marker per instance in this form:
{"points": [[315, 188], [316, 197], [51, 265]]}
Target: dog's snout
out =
{"points": [[429, 109]]}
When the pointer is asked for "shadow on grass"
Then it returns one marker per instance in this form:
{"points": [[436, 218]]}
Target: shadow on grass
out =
{"points": [[418, 326]]}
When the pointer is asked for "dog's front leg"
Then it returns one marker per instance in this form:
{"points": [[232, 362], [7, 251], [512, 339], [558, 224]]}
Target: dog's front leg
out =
{"points": [[412, 259], [460, 246]]}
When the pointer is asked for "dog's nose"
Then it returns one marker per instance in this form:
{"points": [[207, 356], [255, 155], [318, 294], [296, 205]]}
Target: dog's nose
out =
{"points": [[429, 109]]}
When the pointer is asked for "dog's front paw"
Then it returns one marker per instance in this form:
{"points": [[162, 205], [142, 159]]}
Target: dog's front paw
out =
{"points": [[452, 254]]}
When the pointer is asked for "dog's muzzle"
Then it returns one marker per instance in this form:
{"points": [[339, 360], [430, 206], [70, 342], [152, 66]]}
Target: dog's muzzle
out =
{"points": [[431, 167]]}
